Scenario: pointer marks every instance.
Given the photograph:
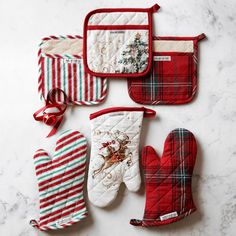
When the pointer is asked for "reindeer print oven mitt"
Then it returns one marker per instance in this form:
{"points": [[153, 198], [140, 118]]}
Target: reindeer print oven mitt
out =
{"points": [[115, 152]]}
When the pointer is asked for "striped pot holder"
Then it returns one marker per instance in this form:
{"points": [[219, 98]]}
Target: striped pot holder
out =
{"points": [[61, 66], [118, 41], [173, 77]]}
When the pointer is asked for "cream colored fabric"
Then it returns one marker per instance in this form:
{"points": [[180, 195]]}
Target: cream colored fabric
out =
{"points": [[119, 18], [173, 46], [63, 46]]}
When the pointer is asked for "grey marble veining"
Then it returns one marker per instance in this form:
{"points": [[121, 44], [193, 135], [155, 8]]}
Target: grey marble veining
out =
{"points": [[211, 116]]}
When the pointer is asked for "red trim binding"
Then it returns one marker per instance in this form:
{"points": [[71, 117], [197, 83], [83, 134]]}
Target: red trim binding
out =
{"points": [[146, 111], [149, 11], [198, 38], [117, 27]]}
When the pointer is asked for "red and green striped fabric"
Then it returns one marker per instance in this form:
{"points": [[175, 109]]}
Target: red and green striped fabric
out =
{"points": [[60, 182], [60, 69]]}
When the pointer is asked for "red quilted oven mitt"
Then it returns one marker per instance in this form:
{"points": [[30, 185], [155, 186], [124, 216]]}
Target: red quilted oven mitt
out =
{"points": [[60, 182], [168, 180]]}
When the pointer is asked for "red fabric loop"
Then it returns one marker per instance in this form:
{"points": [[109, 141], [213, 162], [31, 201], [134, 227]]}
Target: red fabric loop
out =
{"points": [[201, 36], [52, 113], [149, 112], [155, 8]]}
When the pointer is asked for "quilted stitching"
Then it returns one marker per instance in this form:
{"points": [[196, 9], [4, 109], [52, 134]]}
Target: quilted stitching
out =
{"points": [[61, 66], [98, 41], [168, 180], [104, 49], [170, 82], [119, 18], [60, 182], [103, 187]]}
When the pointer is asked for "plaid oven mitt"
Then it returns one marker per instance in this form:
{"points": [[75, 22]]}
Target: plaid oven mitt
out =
{"points": [[60, 182], [168, 180]]}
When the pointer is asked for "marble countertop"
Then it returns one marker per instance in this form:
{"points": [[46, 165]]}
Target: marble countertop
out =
{"points": [[211, 116]]}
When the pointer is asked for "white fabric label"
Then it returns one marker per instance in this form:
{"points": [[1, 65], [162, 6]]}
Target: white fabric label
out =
{"points": [[169, 215], [72, 61], [162, 58], [64, 220]]}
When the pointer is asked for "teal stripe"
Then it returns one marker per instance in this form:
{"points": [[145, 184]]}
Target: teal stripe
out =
{"points": [[78, 197], [97, 88], [80, 81], [64, 132], [68, 56], [48, 74], [63, 37], [64, 77], [42, 160], [69, 148], [80, 212], [65, 167], [62, 187]]}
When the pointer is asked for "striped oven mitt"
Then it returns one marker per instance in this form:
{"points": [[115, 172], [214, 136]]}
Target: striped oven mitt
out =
{"points": [[60, 182], [168, 180]]}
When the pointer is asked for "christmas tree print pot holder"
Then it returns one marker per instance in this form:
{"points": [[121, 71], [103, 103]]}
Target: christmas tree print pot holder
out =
{"points": [[118, 41], [168, 180], [61, 66], [173, 77], [60, 182]]}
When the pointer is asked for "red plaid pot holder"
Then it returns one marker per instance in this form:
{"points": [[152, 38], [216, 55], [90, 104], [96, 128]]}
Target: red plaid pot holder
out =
{"points": [[118, 41], [168, 180], [173, 78]]}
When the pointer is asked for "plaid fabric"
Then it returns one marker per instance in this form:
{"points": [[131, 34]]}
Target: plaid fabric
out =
{"points": [[168, 180], [171, 81]]}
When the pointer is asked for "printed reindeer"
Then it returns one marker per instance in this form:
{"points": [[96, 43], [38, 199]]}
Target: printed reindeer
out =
{"points": [[114, 151]]}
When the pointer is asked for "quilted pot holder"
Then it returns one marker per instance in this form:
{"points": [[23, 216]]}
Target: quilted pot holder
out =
{"points": [[61, 66], [118, 41], [168, 180], [60, 182], [115, 152], [173, 77]]}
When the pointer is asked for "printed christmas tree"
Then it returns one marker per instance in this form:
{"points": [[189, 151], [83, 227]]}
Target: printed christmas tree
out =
{"points": [[134, 58]]}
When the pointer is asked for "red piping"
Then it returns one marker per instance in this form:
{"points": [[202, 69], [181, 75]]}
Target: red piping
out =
{"points": [[146, 111]]}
